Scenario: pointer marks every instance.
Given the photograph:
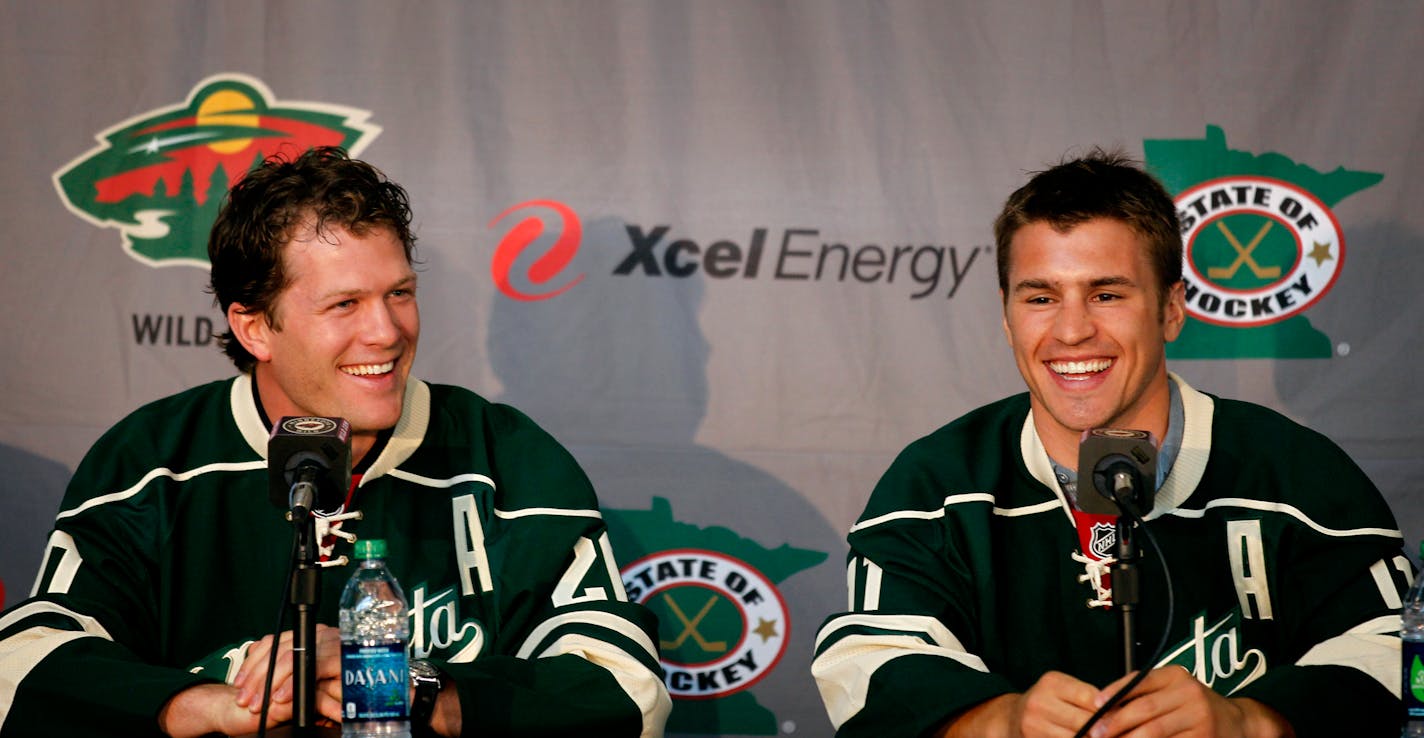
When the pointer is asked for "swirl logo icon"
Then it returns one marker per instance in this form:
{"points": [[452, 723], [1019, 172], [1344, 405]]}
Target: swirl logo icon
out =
{"points": [[530, 284]]}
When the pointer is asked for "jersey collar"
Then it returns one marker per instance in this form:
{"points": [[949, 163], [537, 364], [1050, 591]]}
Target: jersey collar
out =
{"points": [[1186, 470], [405, 438]]}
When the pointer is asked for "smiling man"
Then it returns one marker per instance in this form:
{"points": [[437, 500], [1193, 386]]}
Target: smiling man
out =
{"points": [[978, 607], [167, 562]]}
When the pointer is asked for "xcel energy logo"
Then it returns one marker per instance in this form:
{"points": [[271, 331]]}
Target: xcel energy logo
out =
{"points": [[534, 258]]}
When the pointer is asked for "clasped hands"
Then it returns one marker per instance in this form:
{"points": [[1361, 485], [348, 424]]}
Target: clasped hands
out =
{"points": [[1168, 702], [235, 709]]}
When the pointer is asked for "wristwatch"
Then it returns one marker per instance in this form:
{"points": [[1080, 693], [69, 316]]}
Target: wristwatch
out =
{"points": [[427, 680]]}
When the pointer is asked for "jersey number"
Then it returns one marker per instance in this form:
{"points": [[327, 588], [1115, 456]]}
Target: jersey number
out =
{"points": [[584, 559], [869, 599], [61, 562]]}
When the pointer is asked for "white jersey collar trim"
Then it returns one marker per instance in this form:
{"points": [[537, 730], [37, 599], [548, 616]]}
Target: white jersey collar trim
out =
{"points": [[1035, 458], [1197, 409], [244, 413], [408, 434], [405, 438]]}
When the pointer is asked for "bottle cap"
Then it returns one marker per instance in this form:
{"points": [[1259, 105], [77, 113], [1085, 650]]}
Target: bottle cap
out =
{"points": [[371, 548]]}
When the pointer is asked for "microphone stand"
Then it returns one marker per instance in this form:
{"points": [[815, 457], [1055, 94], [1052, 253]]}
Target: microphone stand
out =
{"points": [[1126, 595], [304, 598], [1126, 591]]}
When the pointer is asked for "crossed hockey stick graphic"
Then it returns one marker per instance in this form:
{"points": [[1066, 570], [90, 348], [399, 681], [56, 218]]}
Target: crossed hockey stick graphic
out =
{"points": [[689, 627], [1243, 255]]}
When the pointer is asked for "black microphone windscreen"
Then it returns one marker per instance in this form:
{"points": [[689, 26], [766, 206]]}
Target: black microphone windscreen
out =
{"points": [[323, 444], [1103, 452]]}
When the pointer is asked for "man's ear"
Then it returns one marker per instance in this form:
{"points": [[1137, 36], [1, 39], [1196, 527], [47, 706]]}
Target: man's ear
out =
{"points": [[1174, 312], [1004, 317], [250, 328]]}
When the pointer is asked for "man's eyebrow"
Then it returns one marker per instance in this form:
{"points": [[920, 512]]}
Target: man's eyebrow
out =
{"points": [[1116, 280], [404, 283], [1031, 284]]}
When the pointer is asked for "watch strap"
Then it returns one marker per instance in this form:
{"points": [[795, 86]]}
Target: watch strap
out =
{"points": [[427, 680]]}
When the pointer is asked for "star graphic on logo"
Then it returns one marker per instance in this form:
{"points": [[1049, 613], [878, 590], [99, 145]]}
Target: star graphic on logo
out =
{"points": [[1321, 253], [766, 629]]}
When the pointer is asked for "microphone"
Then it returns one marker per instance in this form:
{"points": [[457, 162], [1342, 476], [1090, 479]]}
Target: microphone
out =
{"points": [[309, 465], [1120, 466]]}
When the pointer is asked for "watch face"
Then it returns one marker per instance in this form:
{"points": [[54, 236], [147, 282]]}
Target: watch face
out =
{"points": [[424, 669]]}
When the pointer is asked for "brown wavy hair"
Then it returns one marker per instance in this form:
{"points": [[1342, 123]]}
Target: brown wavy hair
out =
{"points": [[322, 188]]}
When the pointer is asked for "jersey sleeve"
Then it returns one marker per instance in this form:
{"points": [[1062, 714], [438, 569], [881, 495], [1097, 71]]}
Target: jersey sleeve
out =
{"points": [[572, 655], [1341, 580], [79, 656], [901, 660]]}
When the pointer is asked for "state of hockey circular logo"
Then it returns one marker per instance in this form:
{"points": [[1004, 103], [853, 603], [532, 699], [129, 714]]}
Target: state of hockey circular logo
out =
{"points": [[1257, 250], [311, 426], [722, 624]]}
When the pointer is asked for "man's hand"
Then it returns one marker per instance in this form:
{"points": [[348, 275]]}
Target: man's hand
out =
{"points": [[212, 708], [1054, 707], [253, 674], [1168, 702], [1171, 702], [446, 720]]}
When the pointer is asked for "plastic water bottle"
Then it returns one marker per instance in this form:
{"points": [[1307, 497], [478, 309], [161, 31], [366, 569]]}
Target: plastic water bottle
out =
{"points": [[374, 630], [1412, 634]]}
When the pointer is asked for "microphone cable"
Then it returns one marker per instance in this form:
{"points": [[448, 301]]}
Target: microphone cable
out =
{"points": [[276, 638], [1126, 689]]}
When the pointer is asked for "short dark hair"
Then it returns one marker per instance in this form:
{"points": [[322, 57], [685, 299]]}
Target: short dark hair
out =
{"points": [[1101, 184], [322, 188]]}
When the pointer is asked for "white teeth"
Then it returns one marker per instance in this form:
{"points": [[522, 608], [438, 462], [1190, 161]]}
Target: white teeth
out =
{"points": [[1079, 367], [366, 369]]}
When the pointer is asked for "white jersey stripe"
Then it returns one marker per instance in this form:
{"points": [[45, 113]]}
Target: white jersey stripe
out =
{"points": [[162, 472], [844, 670], [1371, 647], [558, 511], [21, 652], [439, 483], [962, 499], [1290, 510], [587, 617], [651, 696], [482, 479], [934, 630]]}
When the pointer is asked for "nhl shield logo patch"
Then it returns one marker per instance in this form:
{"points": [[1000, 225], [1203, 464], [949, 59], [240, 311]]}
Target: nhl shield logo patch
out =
{"points": [[1102, 540]]}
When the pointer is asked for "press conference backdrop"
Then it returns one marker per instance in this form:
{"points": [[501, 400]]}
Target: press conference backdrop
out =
{"points": [[735, 255]]}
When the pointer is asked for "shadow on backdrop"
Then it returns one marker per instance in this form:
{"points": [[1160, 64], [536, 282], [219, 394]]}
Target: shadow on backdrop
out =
{"points": [[616, 369], [32, 488], [1370, 392]]}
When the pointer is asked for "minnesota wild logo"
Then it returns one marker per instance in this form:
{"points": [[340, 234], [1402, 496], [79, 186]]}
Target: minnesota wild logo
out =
{"points": [[160, 177], [722, 622], [1262, 246]]}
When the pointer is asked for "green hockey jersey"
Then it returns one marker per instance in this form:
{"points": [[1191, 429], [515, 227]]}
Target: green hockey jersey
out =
{"points": [[967, 579], [167, 559]]}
